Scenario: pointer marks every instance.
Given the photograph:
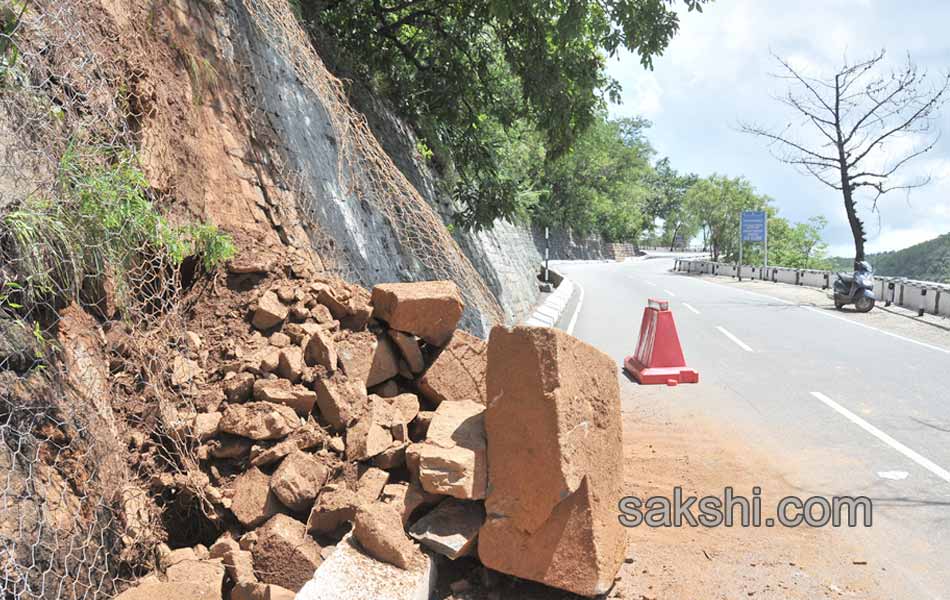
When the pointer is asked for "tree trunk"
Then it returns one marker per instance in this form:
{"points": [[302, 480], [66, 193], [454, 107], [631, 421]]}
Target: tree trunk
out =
{"points": [[673, 238], [857, 227], [847, 190]]}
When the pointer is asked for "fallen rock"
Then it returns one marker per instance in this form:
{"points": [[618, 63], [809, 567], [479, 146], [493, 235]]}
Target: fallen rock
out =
{"points": [[387, 389], [222, 546], [371, 434], [378, 529], [290, 363], [285, 554], [176, 556], [253, 502], [406, 407], [205, 425], [239, 565], [321, 350], [270, 312], [428, 309], [335, 505], [451, 527], [340, 400], [275, 592], [409, 348], [259, 420], [458, 373], [298, 479], [453, 459], [279, 339], [282, 391], [239, 387], [184, 370], [555, 461], [248, 590], [351, 574], [209, 574], [178, 590], [407, 497], [367, 359], [371, 483], [308, 436]]}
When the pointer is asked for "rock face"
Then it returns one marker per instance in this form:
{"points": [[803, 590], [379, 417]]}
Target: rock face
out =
{"points": [[458, 373], [428, 309], [285, 554], [554, 454], [453, 460], [259, 420]]}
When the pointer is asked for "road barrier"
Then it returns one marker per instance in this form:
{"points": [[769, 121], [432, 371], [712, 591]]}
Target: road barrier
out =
{"points": [[658, 358], [924, 297]]}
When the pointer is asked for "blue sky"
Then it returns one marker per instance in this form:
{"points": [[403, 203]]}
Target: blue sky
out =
{"points": [[717, 72]]}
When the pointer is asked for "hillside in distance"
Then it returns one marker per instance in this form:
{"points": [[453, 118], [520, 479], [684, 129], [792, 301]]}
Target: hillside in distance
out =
{"points": [[926, 261]]}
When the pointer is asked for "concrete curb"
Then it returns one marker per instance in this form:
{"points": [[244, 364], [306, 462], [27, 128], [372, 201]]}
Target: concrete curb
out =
{"points": [[550, 311]]}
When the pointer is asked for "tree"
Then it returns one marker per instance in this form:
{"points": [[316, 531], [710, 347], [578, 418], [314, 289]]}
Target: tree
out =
{"points": [[455, 68], [716, 202], [851, 117], [668, 192], [797, 246]]}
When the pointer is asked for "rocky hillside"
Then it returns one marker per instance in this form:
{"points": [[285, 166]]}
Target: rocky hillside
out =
{"points": [[927, 261]]}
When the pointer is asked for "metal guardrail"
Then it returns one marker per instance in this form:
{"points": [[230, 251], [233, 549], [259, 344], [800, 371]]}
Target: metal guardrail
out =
{"points": [[925, 297]]}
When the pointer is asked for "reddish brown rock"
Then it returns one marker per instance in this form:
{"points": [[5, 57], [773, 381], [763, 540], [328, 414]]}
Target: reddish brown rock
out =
{"points": [[239, 387], [340, 400], [407, 497], [406, 407], [290, 363], [428, 309], [321, 350], [367, 359], [336, 504], [270, 311], [253, 502], [555, 461], [239, 565], [378, 529], [371, 483], [372, 433], [178, 590], [282, 391], [458, 373], [453, 459], [285, 554], [259, 420], [298, 479], [409, 348], [205, 425]]}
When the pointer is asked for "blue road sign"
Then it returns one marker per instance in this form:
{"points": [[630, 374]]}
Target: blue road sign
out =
{"points": [[753, 226]]}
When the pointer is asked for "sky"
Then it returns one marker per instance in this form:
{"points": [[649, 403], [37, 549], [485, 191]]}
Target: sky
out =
{"points": [[718, 72]]}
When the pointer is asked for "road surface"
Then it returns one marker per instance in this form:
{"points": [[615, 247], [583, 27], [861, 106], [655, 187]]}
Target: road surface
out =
{"points": [[842, 408]]}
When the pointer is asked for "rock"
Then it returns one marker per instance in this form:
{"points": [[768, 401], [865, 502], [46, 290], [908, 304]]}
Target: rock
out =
{"points": [[248, 590], [167, 590], [275, 592], [321, 314], [406, 407], [184, 370], [367, 359], [270, 312], [287, 294], [282, 391], [335, 505], [428, 309], [239, 387], [205, 425], [555, 461], [230, 446], [409, 348], [453, 459], [458, 373], [299, 332], [351, 574], [334, 300], [298, 479], [222, 546], [285, 554], [321, 350], [290, 365], [337, 444], [253, 502], [387, 389], [248, 263], [279, 340], [451, 527], [378, 529], [192, 341], [266, 360], [207, 573], [371, 434], [392, 457], [340, 401], [371, 483], [240, 565], [419, 426], [407, 497], [259, 420], [308, 436], [179, 555]]}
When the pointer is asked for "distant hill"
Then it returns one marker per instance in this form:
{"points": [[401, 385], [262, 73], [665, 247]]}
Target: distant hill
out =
{"points": [[926, 261]]}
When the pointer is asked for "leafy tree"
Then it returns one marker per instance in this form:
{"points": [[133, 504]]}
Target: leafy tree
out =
{"points": [[716, 202], [797, 246], [453, 66]]}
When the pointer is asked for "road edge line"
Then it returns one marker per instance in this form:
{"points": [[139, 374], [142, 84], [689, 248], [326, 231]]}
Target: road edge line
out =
{"points": [[577, 310]]}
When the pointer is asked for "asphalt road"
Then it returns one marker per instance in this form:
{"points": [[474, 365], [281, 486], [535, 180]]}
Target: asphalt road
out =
{"points": [[843, 409]]}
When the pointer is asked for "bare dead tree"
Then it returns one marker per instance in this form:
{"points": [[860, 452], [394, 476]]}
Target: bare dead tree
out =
{"points": [[846, 123]]}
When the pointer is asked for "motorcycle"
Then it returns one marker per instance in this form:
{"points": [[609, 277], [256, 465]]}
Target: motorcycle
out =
{"points": [[856, 289]]}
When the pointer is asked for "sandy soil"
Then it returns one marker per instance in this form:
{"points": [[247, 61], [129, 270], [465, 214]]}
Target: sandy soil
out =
{"points": [[726, 563]]}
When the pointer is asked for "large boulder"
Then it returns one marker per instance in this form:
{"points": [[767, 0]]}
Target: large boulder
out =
{"points": [[453, 460], [458, 373], [555, 461], [285, 554], [428, 309]]}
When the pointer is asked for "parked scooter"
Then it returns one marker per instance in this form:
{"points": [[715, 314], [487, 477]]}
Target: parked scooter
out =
{"points": [[856, 289]]}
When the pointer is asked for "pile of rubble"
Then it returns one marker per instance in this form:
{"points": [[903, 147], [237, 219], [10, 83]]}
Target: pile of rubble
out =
{"points": [[363, 438]]}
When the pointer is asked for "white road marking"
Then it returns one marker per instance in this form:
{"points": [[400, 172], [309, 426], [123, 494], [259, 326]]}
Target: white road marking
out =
{"points": [[577, 310], [738, 342], [917, 458], [670, 294], [782, 300], [893, 335], [690, 307], [895, 475]]}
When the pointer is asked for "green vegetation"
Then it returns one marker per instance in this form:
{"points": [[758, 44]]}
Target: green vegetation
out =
{"points": [[927, 261], [499, 90], [102, 223], [11, 13]]}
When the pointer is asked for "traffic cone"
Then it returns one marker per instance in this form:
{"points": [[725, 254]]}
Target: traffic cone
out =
{"points": [[659, 357]]}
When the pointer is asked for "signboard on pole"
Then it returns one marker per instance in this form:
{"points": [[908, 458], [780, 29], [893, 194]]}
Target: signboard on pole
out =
{"points": [[753, 226]]}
